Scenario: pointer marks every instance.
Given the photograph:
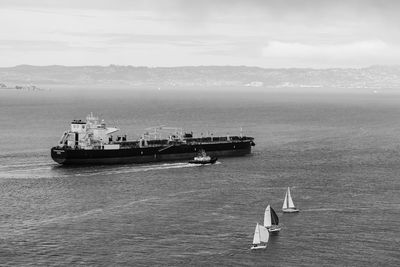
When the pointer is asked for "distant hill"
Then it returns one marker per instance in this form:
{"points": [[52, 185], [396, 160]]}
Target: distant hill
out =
{"points": [[371, 77]]}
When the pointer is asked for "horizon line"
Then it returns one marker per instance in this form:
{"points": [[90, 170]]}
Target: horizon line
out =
{"points": [[199, 66]]}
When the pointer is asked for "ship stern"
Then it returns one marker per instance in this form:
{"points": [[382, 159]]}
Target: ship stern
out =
{"points": [[58, 155]]}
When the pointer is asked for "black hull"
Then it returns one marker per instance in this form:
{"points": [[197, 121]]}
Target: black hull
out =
{"points": [[149, 154]]}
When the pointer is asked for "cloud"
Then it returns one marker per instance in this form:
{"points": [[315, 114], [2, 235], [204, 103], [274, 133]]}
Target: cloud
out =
{"points": [[353, 54], [310, 32], [35, 45]]}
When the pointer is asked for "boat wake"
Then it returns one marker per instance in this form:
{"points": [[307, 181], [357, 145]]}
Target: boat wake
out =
{"points": [[22, 169], [325, 209], [44, 169], [24, 165], [136, 168], [381, 206], [142, 168]]}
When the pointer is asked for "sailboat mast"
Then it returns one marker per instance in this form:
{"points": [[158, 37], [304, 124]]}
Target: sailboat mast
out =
{"points": [[287, 197]]}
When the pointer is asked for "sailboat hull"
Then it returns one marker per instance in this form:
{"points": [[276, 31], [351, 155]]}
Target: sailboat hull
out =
{"points": [[273, 229], [258, 247], [289, 210]]}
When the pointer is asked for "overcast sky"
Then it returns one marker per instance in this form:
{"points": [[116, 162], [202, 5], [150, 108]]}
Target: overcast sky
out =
{"points": [[273, 34]]}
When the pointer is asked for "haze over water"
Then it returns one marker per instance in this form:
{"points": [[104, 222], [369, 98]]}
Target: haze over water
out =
{"points": [[339, 153]]}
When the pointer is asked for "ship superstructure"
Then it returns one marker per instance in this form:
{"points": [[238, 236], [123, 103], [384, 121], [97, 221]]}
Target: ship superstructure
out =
{"points": [[91, 142], [89, 134]]}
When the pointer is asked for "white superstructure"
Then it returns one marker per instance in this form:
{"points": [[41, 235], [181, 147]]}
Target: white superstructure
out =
{"points": [[89, 134]]}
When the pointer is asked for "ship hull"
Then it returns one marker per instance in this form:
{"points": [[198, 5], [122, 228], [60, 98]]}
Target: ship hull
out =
{"points": [[148, 154]]}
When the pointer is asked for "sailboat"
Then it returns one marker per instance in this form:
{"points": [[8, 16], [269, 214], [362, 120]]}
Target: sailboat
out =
{"points": [[271, 220], [288, 205], [261, 237]]}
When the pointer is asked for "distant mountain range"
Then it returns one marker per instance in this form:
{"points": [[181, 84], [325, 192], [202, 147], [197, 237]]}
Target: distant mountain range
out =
{"points": [[113, 75]]}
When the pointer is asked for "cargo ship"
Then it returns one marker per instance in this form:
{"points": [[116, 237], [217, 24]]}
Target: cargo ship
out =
{"points": [[92, 142]]}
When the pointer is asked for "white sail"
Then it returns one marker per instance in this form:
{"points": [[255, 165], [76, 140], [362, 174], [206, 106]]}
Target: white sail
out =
{"points": [[267, 217], [264, 234], [257, 237], [290, 201], [285, 206]]}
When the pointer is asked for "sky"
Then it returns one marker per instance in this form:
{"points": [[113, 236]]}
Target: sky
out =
{"points": [[263, 33]]}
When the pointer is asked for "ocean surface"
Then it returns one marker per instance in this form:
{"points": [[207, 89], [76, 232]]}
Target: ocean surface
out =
{"points": [[339, 153]]}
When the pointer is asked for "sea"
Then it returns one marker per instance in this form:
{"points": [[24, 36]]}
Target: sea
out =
{"points": [[339, 152]]}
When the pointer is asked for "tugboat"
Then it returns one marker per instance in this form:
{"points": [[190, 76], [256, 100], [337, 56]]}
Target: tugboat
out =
{"points": [[202, 158], [93, 142]]}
